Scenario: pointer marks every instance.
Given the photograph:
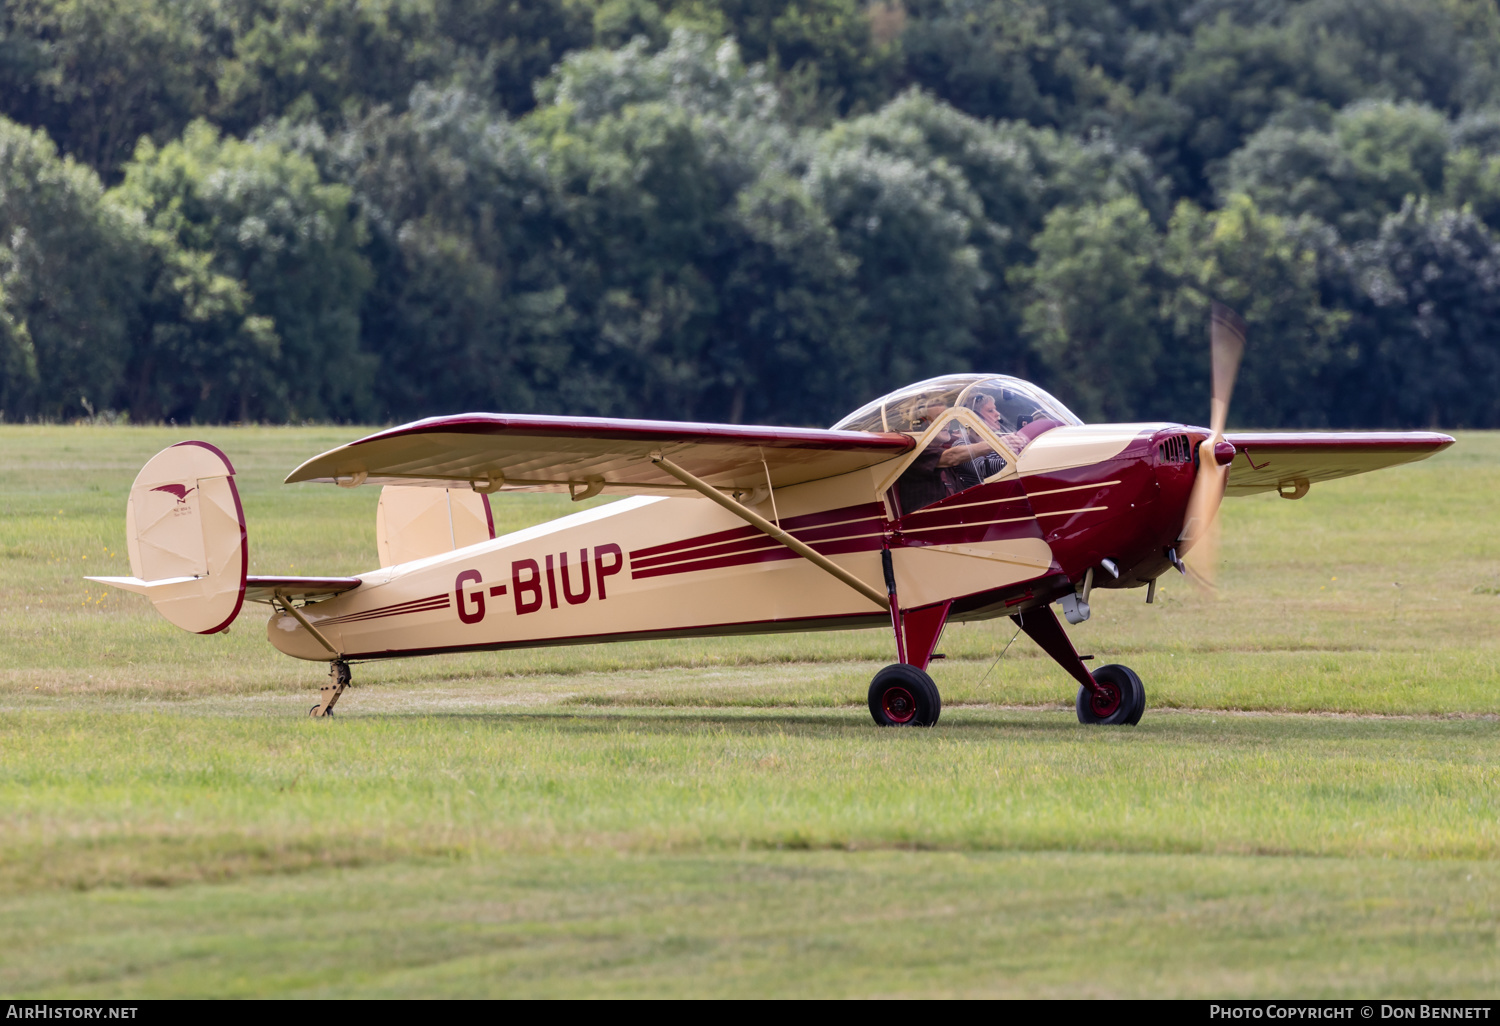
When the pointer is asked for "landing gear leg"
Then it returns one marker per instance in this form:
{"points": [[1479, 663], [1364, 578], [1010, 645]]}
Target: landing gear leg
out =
{"points": [[338, 679], [902, 694], [1111, 695]]}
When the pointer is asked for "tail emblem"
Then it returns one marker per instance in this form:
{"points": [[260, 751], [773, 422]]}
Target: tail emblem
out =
{"points": [[180, 491]]}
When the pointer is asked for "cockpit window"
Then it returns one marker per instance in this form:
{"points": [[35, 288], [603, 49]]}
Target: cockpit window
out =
{"points": [[956, 458], [1016, 410]]}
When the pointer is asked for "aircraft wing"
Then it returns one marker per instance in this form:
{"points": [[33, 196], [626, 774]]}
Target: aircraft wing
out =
{"points": [[589, 455], [1266, 461], [263, 589]]}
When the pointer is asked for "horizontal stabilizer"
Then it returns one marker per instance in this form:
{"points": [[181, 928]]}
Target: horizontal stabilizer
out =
{"points": [[140, 587], [589, 455], [264, 589]]}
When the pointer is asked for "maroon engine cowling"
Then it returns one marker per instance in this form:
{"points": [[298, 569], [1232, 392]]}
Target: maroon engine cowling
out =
{"points": [[1144, 490]]}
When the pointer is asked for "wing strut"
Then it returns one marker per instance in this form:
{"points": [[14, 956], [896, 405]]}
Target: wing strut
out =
{"points": [[761, 523], [286, 604]]}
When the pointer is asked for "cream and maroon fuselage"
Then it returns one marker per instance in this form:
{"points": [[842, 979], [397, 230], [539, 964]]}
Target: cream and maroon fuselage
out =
{"points": [[668, 566]]}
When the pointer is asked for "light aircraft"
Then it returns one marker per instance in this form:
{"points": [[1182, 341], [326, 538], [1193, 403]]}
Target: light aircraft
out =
{"points": [[960, 498]]}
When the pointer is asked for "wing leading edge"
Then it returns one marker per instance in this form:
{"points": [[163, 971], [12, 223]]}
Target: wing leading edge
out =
{"points": [[1293, 461], [590, 455]]}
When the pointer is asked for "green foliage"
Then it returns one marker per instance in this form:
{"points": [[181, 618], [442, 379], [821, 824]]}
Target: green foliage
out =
{"points": [[833, 55], [1372, 157], [1238, 76], [1093, 317], [99, 74], [1044, 63], [743, 209], [253, 284], [1117, 310], [325, 58], [1266, 268], [467, 308], [910, 226], [69, 281], [1425, 297], [709, 279]]}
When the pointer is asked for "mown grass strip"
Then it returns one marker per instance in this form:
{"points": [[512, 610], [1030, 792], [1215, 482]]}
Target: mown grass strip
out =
{"points": [[153, 798], [810, 924]]}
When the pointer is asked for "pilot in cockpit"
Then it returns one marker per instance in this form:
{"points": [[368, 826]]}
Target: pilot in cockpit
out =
{"points": [[986, 460]]}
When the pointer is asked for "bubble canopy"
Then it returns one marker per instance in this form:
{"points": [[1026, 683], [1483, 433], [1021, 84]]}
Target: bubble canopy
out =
{"points": [[1007, 404]]}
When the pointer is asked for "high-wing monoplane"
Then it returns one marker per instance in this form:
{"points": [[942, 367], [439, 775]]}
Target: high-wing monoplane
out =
{"points": [[960, 498]]}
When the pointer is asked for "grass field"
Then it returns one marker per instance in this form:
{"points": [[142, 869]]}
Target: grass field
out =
{"points": [[1309, 806]]}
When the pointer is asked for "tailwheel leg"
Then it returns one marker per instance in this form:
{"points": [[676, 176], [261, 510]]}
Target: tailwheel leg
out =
{"points": [[338, 679]]}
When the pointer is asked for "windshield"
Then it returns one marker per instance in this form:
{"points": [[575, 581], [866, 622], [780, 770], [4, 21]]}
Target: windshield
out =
{"points": [[1016, 410]]}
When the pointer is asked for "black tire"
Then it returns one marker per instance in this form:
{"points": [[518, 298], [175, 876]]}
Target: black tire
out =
{"points": [[1121, 699], [1140, 690], [903, 696]]}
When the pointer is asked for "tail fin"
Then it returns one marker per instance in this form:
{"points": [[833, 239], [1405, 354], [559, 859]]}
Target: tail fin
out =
{"points": [[414, 522], [185, 532]]}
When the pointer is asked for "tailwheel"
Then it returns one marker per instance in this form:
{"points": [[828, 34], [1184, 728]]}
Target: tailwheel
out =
{"points": [[1119, 697], [903, 696], [339, 678]]}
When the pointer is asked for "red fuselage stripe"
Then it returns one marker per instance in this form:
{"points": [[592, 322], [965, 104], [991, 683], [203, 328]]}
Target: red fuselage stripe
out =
{"points": [[860, 543], [844, 515], [759, 541], [413, 606]]}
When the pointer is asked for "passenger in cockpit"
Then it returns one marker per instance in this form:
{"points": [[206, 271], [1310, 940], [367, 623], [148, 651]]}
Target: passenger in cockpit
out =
{"points": [[949, 464], [926, 481]]}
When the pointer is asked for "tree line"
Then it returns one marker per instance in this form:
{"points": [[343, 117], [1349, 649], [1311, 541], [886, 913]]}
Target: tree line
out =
{"points": [[745, 210]]}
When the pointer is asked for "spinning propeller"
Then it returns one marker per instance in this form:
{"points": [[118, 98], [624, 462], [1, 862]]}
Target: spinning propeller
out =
{"points": [[1200, 529]]}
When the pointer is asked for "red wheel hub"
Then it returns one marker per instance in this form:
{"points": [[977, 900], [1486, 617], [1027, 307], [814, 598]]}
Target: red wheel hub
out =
{"points": [[1105, 701], [899, 705]]}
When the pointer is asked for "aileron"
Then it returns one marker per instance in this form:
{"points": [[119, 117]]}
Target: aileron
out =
{"points": [[1268, 461]]}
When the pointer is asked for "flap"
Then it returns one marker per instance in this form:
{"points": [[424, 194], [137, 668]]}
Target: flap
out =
{"points": [[1263, 461], [589, 455], [263, 589]]}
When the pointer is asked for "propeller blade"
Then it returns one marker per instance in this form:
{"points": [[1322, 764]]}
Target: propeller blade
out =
{"points": [[1203, 502], [1200, 531], [1203, 563], [1227, 344]]}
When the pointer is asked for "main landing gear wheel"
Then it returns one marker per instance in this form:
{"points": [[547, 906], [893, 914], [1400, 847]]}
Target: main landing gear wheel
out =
{"points": [[1120, 698], [903, 696]]}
